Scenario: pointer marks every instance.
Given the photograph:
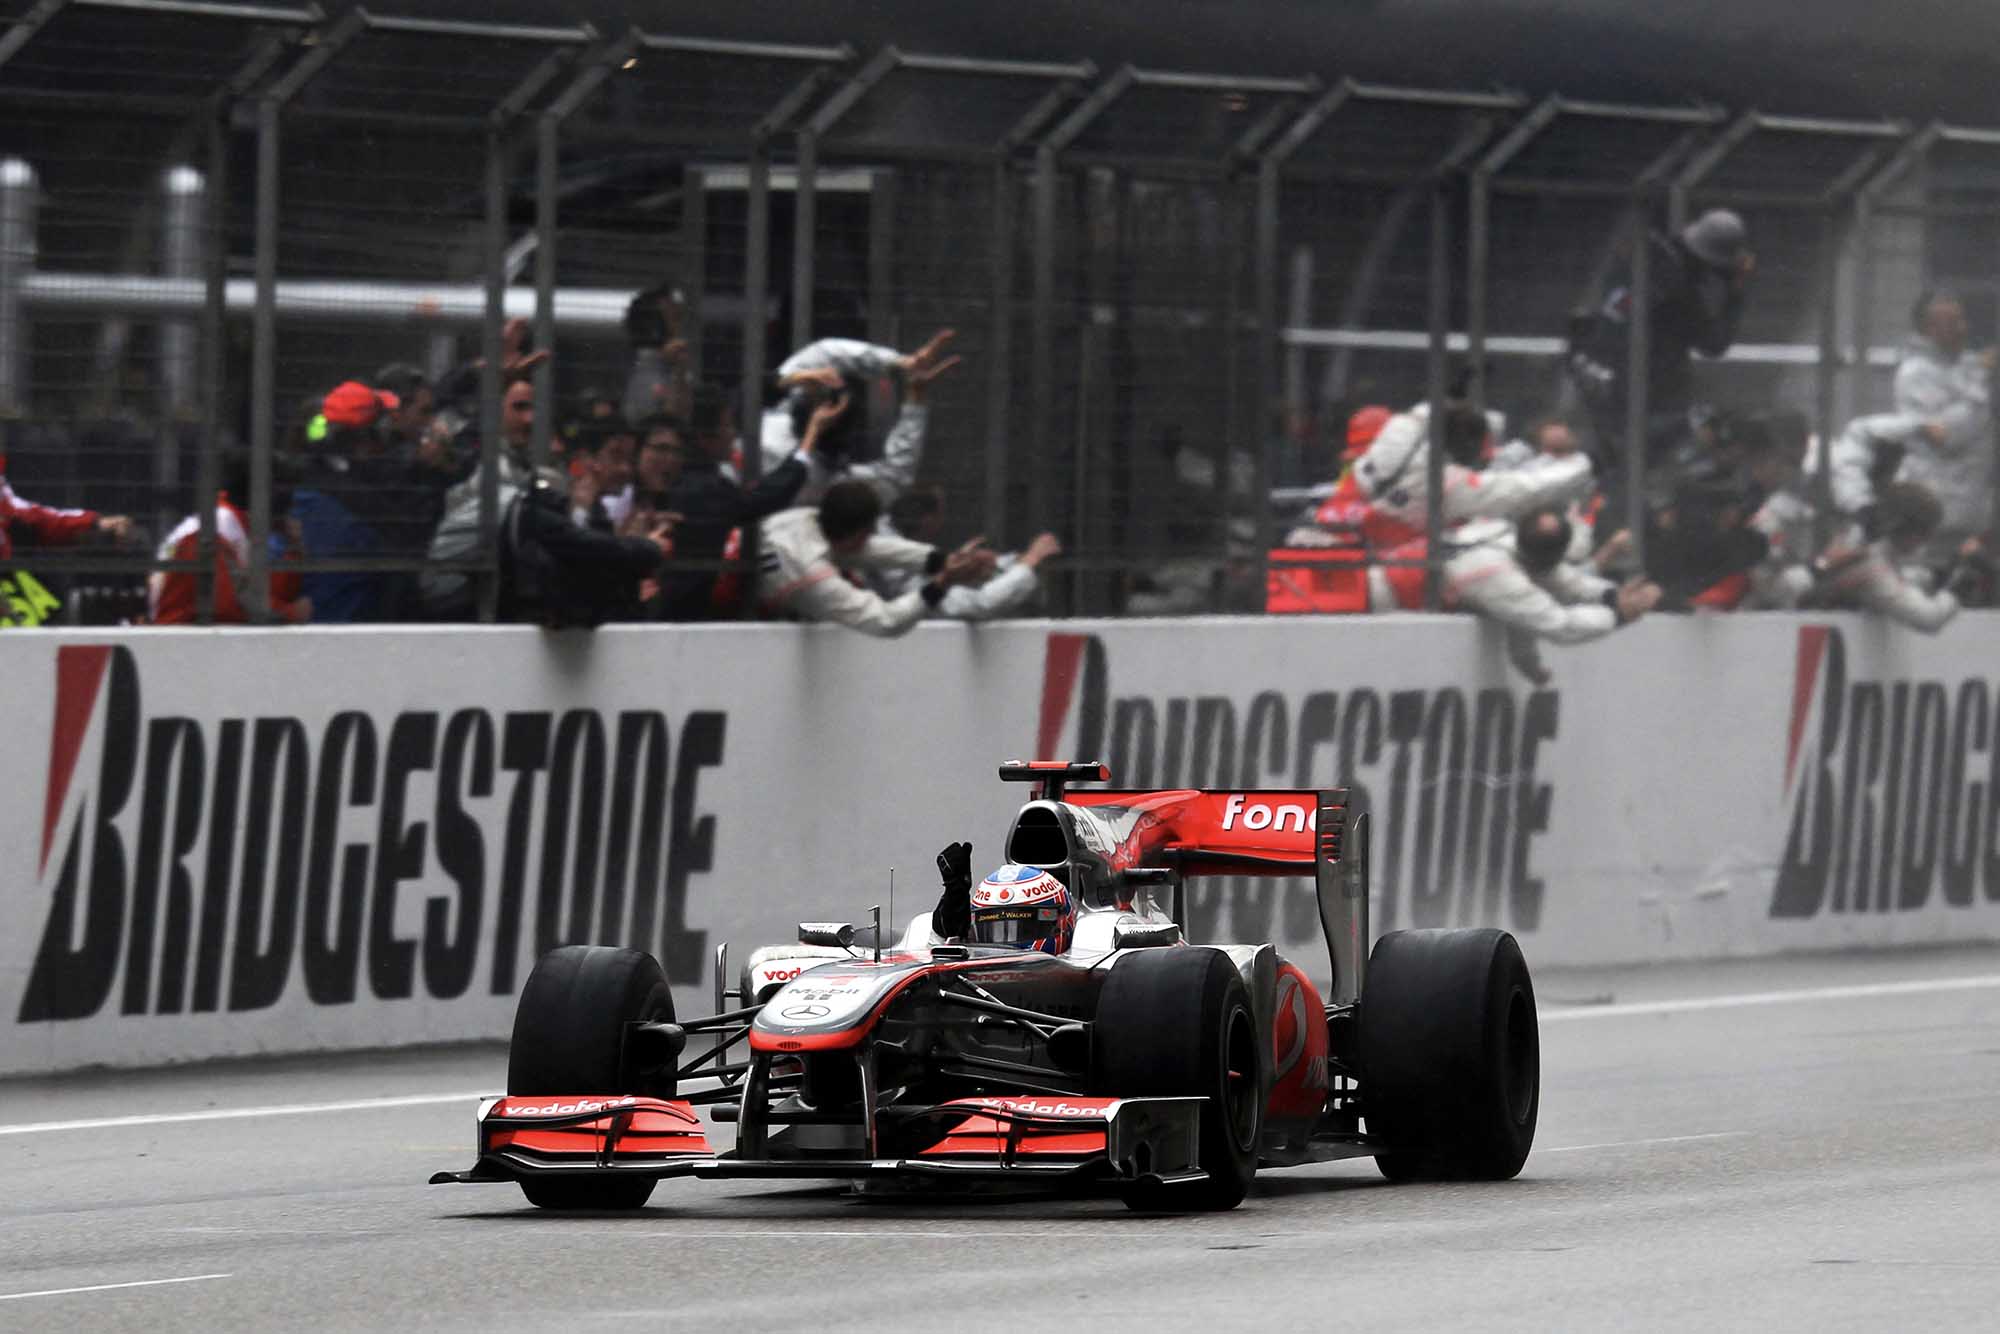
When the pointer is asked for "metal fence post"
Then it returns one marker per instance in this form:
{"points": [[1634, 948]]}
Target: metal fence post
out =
{"points": [[1476, 133], [694, 269], [208, 470], [805, 198], [263, 358], [1439, 319], [548, 187], [183, 192], [1268, 416], [1042, 365], [491, 350], [1000, 349], [264, 321], [220, 115], [1270, 182], [1638, 380], [548, 183], [1002, 243], [1839, 209], [756, 291], [1042, 360], [20, 201], [1479, 234], [1862, 301], [756, 297]]}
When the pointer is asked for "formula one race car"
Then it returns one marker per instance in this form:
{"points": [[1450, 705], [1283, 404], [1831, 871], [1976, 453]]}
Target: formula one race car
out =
{"points": [[1099, 1048]]}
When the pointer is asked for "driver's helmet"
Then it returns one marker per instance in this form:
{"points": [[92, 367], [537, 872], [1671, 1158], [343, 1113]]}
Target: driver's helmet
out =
{"points": [[1024, 907]]}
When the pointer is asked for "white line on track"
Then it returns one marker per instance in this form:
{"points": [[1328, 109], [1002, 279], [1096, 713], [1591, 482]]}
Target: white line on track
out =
{"points": [[901, 1234], [107, 1287], [241, 1113], [1636, 1143], [1801, 996]]}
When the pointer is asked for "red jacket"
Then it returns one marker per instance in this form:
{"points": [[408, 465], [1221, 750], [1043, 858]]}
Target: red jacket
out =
{"points": [[55, 527], [170, 595], [1349, 510]]}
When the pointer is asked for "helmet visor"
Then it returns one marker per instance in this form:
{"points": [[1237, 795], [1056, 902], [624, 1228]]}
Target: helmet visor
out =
{"points": [[1018, 926]]}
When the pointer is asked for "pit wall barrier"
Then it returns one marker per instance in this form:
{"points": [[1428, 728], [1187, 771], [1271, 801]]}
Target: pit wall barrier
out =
{"points": [[232, 842]]}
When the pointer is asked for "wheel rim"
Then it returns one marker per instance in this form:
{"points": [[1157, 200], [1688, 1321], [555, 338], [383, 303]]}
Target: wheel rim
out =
{"points": [[1241, 1091], [1522, 1073]]}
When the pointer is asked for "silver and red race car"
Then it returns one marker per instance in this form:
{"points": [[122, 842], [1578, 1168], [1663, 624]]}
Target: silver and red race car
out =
{"points": [[1133, 1060]]}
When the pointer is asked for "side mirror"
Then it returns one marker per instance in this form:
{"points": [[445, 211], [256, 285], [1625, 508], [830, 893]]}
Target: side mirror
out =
{"points": [[655, 1044], [1139, 936], [826, 933], [1069, 1048]]}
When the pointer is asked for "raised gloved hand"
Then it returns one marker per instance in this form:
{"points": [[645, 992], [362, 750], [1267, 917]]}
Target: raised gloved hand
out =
{"points": [[952, 918]]}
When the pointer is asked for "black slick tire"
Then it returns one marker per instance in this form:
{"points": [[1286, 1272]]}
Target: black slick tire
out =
{"points": [[1177, 1023], [569, 1037], [1450, 1055]]}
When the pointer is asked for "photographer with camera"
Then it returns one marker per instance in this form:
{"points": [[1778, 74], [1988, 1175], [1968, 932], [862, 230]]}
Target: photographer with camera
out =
{"points": [[1699, 281], [564, 575]]}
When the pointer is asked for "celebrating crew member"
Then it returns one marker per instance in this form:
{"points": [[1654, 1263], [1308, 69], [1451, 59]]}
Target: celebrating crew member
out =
{"points": [[809, 552]]}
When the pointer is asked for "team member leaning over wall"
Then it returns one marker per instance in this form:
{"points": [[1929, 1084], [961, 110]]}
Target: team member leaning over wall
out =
{"points": [[1883, 576], [1516, 575], [808, 554]]}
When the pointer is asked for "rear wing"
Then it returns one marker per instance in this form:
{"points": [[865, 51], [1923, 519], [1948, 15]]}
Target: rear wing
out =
{"points": [[1262, 832]]}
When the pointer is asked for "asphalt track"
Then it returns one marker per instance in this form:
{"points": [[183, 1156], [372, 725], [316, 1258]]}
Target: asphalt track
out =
{"points": [[1800, 1144]]}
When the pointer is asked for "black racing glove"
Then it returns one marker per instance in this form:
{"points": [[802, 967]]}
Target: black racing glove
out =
{"points": [[952, 918]]}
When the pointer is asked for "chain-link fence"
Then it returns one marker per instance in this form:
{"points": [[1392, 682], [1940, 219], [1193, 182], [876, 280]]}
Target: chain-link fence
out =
{"points": [[1170, 288]]}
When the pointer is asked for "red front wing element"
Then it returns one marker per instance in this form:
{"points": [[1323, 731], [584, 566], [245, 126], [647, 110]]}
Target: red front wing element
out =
{"points": [[1048, 1125], [591, 1132], [1017, 1136]]}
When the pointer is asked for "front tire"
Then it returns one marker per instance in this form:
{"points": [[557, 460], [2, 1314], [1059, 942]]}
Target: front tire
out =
{"points": [[569, 1038], [1450, 1055], [1175, 1023]]}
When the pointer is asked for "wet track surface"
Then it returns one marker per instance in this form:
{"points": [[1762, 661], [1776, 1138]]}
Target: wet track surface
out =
{"points": [[1801, 1144]]}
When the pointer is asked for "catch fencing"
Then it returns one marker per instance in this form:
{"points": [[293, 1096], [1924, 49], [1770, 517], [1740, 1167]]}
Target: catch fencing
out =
{"points": [[1169, 286]]}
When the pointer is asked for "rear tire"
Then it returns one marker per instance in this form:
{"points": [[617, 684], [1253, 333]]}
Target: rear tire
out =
{"points": [[569, 1038], [1176, 1023], [1450, 1055]]}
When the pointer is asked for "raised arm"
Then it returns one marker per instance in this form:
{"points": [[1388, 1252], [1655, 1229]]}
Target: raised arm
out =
{"points": [[1547, 483]]}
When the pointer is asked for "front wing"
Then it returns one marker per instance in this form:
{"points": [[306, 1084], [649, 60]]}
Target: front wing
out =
{"points": [[1025, 1138]]}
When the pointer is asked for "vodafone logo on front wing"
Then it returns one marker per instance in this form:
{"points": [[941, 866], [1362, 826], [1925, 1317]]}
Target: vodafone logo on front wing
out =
{"points": [[1076, 1111], [577, 1108]]}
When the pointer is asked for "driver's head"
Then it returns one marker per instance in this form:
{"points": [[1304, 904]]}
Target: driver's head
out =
{"points": [[1024, 907]]}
